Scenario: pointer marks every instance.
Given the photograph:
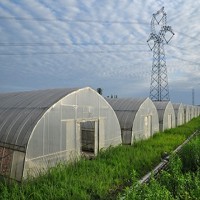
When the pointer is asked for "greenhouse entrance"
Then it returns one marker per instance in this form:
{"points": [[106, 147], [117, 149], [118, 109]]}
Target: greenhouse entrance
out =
{"points": [[89, 141], [169, 120], [148, 126]]}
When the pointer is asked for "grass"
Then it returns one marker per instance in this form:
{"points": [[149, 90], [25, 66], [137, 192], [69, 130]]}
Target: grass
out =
{"points": [[181, 180], [190, 155], [103, 177], [172, 184]]}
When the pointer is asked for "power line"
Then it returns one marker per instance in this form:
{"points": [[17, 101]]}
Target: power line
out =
{"points": [[82, 44], [185, 60], [68, 44], [12, 44], [66, 53], [193, 38], [182, 49], [69, 20]]}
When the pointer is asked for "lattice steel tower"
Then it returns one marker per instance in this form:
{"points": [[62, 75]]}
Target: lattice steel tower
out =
{"points": [[160, 35]]}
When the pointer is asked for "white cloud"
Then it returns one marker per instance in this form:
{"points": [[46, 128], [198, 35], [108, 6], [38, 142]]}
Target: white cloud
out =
{"points": [[123, 69]]}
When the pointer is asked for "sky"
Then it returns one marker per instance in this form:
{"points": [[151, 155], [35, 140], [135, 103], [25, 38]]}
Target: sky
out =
{"points": [[97, 43]]}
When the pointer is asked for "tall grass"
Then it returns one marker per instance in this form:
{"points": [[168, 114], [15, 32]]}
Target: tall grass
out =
{"points": [[172, 184], [104, 176], [180, 181], [190, 155]]}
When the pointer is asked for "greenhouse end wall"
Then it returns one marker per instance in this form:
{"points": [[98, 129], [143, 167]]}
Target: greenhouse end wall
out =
{"points": [[138, 118], [169, 120], [179, 114], [166, 115], [146, 122], [57, 136], [186, 113]]}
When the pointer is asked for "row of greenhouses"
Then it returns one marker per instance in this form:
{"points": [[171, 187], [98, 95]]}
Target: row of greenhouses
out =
{"points": [[39, 129]]}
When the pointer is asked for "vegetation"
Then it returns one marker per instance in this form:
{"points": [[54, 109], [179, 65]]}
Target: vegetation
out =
{"points": [[190, 156], [180, 181], [100, 91], [106, 175]]}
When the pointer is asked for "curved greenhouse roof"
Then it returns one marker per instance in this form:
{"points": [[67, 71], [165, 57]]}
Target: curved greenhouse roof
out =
{"points": [[138, 118], [19, 113], [126, 110], [38, 129]]}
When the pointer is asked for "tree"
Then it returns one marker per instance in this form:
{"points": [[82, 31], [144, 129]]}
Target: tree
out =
{"points": [[100, 91]]}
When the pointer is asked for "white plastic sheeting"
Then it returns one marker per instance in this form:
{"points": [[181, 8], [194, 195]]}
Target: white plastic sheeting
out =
{"points": [[186, 113], [53, 130], [192, 111], [138, 118], [57, 136], [166, 114], [179, 113], [195, 111]]}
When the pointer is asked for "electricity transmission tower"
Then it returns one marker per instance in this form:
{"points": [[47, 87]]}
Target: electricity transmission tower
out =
{"points": [[160, 35]]}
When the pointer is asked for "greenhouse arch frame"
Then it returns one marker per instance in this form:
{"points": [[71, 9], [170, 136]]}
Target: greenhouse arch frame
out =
{"points": [[45, 127]]}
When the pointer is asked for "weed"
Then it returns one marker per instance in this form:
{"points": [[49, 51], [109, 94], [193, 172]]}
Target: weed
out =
{"points": [[172, 184]]}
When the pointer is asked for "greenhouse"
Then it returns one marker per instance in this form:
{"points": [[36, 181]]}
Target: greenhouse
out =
{"points": [[179, 113], [166, 114], [138, 118], [196, 111], [192, 111], [38, 129], [186, 113]]}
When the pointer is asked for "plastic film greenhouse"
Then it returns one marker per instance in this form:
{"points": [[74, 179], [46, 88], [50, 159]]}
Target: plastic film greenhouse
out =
{"points": [[38, 129], [186, 113], [192, 111], [179, 113], [196, 113], [166, 114], [138, 118]]}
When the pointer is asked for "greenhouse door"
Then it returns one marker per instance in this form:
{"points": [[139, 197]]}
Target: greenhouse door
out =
{"points": [[181, 119], [150, 125], [147, 126], [170, 121], [89, 137]]}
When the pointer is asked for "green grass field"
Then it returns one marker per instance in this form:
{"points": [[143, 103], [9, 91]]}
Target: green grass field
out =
{"points": [[104, 176], [181, 180]]}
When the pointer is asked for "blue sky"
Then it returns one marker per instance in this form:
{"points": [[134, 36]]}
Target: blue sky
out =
{"points": [[76, 43]]}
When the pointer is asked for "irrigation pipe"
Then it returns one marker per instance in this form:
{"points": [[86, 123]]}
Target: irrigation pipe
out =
{"points": [[165, 161]]}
